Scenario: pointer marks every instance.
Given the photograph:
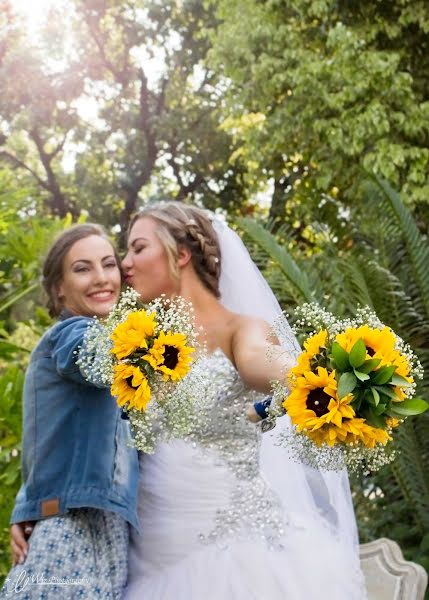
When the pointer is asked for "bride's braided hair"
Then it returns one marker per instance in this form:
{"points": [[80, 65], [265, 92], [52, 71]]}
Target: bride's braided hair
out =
{"points": [[184, 225]]}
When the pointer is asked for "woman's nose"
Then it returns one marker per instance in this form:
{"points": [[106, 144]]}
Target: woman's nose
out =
{"points": [[100, 274], [126, 262]]}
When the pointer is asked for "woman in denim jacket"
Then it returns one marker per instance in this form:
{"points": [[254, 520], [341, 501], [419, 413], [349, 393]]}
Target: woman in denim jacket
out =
{"points": [[80, 474]]}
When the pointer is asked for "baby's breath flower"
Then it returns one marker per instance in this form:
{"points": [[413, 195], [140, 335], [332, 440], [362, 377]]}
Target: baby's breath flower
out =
{"points": [[328, 431], [172, 408]]}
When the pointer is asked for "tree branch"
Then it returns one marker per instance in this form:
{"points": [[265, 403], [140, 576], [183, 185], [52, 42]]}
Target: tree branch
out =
{"points": [[58, 149], [96, 34], [59, 203], [19, 163]]}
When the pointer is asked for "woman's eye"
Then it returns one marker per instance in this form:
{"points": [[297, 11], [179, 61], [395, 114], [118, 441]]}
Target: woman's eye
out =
{"points": [[81, 269], [111, 266], [139, 249]]}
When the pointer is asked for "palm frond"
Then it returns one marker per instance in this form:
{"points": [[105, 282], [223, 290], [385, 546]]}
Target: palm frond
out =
{"points": [[411, 472], [416, 246], [279, 256], [13, 297]]}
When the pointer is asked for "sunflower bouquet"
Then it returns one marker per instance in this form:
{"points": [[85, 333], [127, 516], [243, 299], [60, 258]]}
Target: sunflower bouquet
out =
{"points": [[353, 384], [144, 352]]}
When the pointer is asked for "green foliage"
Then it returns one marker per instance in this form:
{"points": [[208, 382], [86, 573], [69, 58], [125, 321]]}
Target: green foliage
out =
{"points": [[299, 284], [25, 237], [11, 381], [395, 283], [127, 109], [320, 90]]}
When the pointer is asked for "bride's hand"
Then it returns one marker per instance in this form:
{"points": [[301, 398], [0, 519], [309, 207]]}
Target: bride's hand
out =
{"points": [[252, 415]]}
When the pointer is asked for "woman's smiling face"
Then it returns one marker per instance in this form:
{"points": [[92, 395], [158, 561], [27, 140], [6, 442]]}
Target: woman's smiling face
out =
{"points": [[91, 281]]}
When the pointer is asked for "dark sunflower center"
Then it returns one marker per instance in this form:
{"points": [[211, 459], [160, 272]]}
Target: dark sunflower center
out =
{"points": [[318, 401], [171, 356], [370, 351], [129, 383]]}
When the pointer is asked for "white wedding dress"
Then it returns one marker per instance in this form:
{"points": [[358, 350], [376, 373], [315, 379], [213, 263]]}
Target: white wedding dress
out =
{"points": [[212, 529]]}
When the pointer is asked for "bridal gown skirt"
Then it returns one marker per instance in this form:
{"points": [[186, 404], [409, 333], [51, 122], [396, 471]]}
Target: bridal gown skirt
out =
{"points": [[208, 536]]}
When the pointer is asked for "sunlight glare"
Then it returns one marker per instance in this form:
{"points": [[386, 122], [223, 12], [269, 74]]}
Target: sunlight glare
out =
{"points": [[33, 11]]}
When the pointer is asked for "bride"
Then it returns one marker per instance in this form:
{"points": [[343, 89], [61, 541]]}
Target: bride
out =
{"points": [[226, 515]]}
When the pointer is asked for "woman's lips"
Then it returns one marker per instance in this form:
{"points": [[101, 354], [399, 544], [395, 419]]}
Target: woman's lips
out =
{"points": [[101, 296]]}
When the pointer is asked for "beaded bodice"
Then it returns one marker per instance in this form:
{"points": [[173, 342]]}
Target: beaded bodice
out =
{"points": [[224, 425], [227, 433]]}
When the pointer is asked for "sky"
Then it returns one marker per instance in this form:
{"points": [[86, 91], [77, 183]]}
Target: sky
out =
{"points": [[34, 11]]}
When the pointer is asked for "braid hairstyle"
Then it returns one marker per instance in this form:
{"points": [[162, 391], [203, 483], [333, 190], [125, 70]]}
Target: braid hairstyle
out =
{"points": [[186, 225]]}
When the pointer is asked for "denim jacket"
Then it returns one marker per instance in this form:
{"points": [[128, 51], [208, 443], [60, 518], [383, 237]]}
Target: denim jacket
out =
{"points": [[76, 450]]}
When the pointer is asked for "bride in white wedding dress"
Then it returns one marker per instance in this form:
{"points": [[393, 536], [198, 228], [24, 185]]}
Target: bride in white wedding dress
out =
{"points": [[226, 515]]}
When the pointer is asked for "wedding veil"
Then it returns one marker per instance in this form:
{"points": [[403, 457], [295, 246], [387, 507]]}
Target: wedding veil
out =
{"points": [[314, 495]]}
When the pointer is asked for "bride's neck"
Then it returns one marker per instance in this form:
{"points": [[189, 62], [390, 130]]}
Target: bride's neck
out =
{"points": [[207, 307]]}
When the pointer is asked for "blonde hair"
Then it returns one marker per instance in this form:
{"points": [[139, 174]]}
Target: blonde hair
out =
{"points": [[181, 224]]}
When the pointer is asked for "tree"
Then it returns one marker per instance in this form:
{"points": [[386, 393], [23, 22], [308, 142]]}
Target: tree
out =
{"points": [[150, 131], [320, 90]]}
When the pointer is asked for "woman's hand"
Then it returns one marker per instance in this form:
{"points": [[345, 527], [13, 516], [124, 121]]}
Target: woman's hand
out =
{"points": [[19, 534], [252, 415]]}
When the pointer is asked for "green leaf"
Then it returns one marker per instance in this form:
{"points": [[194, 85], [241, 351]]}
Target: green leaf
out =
{"points": [[280, 256], [346, 384], [10, 474], [6, 303], [424, 544], [386, 390], [361, 376], [340, 357], [408, 408], [356, 404], [374, 419], [7, 348], [380, 409], [357, 354], [383, 375], [399, 381], [369, 365], [375, 395]]}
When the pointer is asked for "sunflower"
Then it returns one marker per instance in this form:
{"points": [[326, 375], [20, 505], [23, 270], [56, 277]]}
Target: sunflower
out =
{"points": [[330, 434], [314, 406], [401, 363], [170, 355], [133, 333], [376, 340], [130, 386], [313, 346], [380, 343], [371, 436], [392, 423]]}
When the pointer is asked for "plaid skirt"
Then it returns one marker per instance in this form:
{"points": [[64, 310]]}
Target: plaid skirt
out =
{"points": [[82, 554]]}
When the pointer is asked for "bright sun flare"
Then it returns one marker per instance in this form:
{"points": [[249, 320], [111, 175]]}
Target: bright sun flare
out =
{"points": [[34, 11]]}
